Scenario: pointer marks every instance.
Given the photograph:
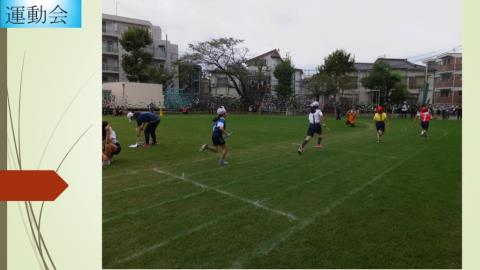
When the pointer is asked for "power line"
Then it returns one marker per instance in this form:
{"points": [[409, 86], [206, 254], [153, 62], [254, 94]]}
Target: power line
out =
{"points": [[424, 56]]}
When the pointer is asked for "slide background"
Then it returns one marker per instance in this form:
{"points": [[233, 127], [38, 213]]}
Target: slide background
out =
{"points": [[58, 63]]}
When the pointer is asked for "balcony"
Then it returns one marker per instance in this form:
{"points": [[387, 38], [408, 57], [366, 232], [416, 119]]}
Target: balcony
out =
{"points": [[445, 68], [110, 32], [110, 68], [109, 49], [448, 83], [159, 55]]}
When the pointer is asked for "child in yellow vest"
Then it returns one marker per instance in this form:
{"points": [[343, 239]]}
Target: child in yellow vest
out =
{"points": [[380, 119]]}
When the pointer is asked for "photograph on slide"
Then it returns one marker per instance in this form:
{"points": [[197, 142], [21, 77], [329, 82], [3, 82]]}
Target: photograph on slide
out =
{"points": [[281, 134]]}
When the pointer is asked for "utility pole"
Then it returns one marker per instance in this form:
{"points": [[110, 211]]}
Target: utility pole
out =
{"points": [[116, 7]]}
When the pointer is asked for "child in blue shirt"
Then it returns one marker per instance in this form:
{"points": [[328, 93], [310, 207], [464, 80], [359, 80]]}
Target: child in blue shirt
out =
{"points": [[219, 129]]}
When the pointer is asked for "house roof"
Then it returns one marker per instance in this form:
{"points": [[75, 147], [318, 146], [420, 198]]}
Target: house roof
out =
{"points": [[397, 63], [125, 20], [273, 53], [299, 69], [363, 66]]}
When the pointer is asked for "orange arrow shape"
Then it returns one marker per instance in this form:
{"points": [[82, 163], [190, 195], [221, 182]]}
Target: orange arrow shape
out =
{"points": [[30, 185]]}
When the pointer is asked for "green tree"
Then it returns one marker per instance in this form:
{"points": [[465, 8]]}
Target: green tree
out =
{"points": [[381, 78], [284, 74], [399, 93], [186, 72], [336, 67], [137, 62], [160, 76], [227, 56], [320, 84]]}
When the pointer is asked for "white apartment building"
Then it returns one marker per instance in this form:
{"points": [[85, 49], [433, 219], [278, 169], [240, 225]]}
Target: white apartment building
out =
{"points": [[164, 52]]}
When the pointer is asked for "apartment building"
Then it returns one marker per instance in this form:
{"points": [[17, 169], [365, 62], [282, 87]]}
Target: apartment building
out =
{"points": [[445, 79], [260, 76], [164, 52]]}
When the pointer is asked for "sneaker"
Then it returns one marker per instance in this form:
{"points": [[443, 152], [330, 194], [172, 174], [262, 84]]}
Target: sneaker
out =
{"points": [[319, 146], [300, 150], [223, 163], [203, 147]]}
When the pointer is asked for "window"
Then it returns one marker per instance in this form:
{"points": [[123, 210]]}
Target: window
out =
{"points": [[222, 82], [445, 92], [460, 93], [353, 82], [445, 76], [420, 81], [412, 82], [261, 62]]}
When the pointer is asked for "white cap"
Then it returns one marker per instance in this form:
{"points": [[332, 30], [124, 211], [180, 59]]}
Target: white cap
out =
{"points": [[129, 116], [221, 110], [315, 104]]}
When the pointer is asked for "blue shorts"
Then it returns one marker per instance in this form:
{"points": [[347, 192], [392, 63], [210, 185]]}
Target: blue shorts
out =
{"points": [[118, 149], [314, 128], [380, 125], [424, 125], [217, 139]]}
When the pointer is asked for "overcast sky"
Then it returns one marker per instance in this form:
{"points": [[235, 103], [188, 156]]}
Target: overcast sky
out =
{"points": [[307, 29]]}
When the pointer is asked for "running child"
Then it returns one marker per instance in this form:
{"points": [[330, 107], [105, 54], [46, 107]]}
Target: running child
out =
{"points": [[316, 120], [380, 119], [351, 118], [219, 129], [425, 116]]}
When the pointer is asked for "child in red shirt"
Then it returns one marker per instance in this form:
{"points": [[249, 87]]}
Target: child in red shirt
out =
{"points": [[425, 117]]}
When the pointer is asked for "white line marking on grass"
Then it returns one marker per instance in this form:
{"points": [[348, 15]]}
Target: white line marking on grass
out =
{"points": [[183, 163], [240, 163], [163, 167], [258, 174], [151, 206], [175, 237], [267, 246], [199, 173], [138, 187], [226, 193], [357, 152]]}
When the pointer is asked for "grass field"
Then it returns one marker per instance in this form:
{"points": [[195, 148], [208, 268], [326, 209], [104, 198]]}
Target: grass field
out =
{"points": [[352, 204]]}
